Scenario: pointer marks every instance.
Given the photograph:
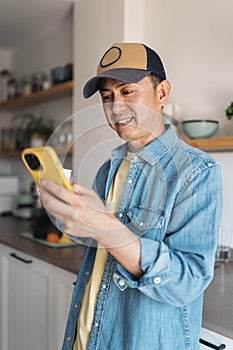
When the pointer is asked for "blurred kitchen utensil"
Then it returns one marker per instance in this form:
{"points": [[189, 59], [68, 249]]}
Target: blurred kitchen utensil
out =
{"points": [[23, 205]]}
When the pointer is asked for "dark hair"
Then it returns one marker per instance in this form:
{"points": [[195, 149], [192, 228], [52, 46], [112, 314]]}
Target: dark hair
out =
{"points": [[155, 79]]}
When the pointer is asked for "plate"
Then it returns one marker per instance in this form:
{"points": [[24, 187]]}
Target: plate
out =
{"points": [[30, 236]]}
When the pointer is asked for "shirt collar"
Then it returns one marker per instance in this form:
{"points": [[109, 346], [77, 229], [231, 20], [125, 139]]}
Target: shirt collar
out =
{"points": [[155, 150]]}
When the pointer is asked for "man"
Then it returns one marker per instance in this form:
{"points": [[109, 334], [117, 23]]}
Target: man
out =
{"points": [[154, 212]]}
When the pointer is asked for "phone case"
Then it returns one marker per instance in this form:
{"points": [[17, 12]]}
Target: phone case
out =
{"points": [[50, 166]]}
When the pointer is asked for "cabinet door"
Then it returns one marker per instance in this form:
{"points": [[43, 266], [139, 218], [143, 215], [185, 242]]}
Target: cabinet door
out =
{"points": [[214, 340], [28, 312], [63, 290]]}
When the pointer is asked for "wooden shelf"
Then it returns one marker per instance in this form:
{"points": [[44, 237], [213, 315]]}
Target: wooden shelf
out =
{"points": [[56, 91], [59, 150], [220, 144]]}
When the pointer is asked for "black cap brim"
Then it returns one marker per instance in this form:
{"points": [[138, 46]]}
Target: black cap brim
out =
{"points": [[127, 75]]}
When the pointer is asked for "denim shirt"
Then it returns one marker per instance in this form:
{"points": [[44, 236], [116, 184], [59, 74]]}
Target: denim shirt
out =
{"points": [[172, 200]]}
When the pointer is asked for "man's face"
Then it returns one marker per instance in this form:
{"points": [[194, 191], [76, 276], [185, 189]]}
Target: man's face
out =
{"points": [[133, 110]]}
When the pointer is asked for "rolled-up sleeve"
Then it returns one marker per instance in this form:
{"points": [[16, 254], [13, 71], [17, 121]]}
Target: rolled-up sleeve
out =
{"points": [[178, 268]]}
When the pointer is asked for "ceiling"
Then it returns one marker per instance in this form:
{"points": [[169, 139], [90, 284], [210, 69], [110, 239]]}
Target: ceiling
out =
{"points": [[21, 21]]}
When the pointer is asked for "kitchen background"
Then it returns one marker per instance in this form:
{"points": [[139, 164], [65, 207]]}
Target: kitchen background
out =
{"points": [[50, 47], [194, 39]]}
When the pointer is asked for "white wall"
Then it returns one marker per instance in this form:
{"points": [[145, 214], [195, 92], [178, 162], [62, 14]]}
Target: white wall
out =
{"points": [[5, 59], [47, 51], [98, 24], [194, 39]]}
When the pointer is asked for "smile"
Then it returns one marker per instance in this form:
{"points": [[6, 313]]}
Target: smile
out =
{"points": [[123, 122]]}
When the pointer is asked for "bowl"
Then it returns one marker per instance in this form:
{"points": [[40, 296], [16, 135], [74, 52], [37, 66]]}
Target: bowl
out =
{"points": [[60, 75], [200, 128]]}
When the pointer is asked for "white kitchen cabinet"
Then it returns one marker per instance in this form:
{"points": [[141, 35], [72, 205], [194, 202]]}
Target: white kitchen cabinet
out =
{"points": [[217, 340], [34, 302], [25, 302], [63, 284]]}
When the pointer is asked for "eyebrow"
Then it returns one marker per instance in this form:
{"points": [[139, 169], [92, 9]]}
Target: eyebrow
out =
{"points": [[102, 89]]}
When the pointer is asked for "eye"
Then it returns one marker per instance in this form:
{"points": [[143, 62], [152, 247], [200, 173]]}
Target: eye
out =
{"points": [[127, 92], [106, 98]]}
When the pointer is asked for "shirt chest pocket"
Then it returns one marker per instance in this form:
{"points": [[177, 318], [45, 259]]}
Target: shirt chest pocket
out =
{"points": [[146, 221]]}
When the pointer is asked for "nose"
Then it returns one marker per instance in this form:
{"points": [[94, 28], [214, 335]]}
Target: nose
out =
{"points": [[118, 105]]}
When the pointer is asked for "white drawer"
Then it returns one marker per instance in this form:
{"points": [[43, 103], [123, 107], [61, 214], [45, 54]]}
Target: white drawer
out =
{"points": [[215, 339]]}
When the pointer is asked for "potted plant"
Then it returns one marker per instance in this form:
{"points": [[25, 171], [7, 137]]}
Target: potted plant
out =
{"points": [[229, 111], [35, 129]]}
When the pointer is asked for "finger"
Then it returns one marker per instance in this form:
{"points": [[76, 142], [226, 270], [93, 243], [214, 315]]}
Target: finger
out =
{"points": [[58, 208], [57, 190], [72, 179], [70, 216], [83, 191]]}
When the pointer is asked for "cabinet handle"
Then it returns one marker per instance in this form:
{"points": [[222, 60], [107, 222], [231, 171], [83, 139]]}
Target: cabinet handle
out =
{"points": [[26, 261], [212, 346]]}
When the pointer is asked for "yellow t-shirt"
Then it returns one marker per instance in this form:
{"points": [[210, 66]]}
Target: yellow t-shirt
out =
{"points": [[89, 300]]}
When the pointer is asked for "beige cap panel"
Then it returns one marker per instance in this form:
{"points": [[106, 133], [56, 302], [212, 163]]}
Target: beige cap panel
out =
{"points": [[123, 55]]}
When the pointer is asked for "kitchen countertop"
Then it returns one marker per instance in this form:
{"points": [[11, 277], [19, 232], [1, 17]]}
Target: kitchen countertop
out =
{"points": [[218, 301], [68, 258]]}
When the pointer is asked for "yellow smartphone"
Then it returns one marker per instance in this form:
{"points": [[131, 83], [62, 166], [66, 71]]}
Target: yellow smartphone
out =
{"points": [[43, 163]]}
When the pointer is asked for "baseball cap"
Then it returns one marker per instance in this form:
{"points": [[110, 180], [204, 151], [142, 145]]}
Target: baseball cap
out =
{"points": [[127, 62]]}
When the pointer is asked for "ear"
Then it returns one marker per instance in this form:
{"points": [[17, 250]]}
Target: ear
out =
{"points": [[163, 91]]}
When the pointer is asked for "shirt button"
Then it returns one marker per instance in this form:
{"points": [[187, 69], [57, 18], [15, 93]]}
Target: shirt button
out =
{"points": [[141, 224], [96, 324], [130, 181], [75, 306], [120, 215], [104, 286], [157, 280], [121, 283], [68, 339], [87, 273]]}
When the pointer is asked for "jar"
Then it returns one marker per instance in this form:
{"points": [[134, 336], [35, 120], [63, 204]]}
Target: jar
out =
{"points": [[19, 139], [12, 132], [36, 140], [46, 82], [37, 81], [18, 88], [26, 86], [6, 139], [4, 77], [11, 88], [3, 140]]}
